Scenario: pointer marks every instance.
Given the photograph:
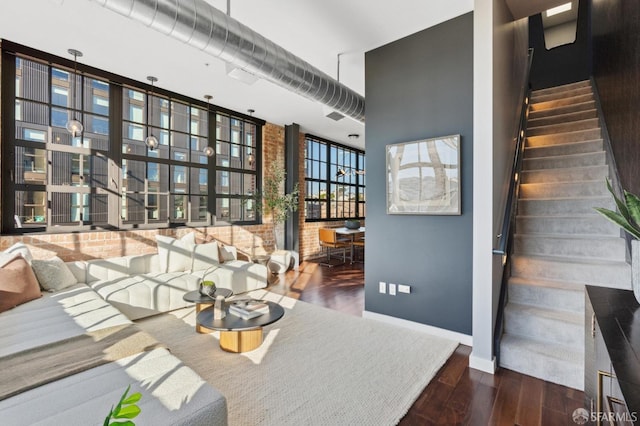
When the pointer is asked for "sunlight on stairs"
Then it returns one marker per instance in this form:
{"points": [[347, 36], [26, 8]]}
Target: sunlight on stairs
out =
{"points": [[561, 243]]}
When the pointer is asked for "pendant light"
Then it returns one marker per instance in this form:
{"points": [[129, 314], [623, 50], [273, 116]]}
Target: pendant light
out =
{"points": [[250, 158], [208, 150], [74, 126], [151, 141]]}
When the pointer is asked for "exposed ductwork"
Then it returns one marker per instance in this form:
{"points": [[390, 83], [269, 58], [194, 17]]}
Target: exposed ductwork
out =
{"points": [[198, 24]]}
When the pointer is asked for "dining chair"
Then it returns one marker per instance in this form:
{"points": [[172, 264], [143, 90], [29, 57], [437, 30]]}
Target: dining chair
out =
{"points": [[329, 241], [358, 243]]}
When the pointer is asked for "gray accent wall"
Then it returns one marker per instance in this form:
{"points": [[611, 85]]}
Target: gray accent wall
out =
{"points": [[421, 87]]}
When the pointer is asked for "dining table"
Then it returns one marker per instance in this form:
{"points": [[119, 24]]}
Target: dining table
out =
{"points": [[351, 233]]}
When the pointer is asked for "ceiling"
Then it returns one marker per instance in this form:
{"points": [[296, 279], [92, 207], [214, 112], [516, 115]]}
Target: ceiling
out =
{"points": [[523, 8], [316, 31]]}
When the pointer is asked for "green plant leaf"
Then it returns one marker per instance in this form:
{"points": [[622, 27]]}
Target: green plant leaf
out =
{"points": [[619, 220], [125, 423], [622, 207], [633, 205], [133, 398], [128, 412], [106, 421]]}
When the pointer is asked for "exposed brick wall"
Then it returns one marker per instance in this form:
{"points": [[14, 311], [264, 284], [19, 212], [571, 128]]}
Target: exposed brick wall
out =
{"points": [[106, 244], [309, 242]]}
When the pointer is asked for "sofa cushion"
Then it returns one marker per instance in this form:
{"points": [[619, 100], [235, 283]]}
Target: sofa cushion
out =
{"points": [[79, 270], [205, 256], [53, 274], [175, 255], [18, 284], [172, 394], [22, 249], [107, 269], [56, 316], [237, 275], [139, 296]]}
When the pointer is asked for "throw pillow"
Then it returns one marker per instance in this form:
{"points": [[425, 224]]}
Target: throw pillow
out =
{"points": [[205, 256], [22, 249], [18, 284], [175, 255], [53, 274], [227, 253]]}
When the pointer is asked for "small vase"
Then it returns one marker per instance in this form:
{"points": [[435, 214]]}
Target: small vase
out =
{"points": [[635, 268], [207, 290], [218, 308]]}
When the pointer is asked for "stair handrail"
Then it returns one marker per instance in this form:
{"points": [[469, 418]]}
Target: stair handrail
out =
{"points": [[514, 183], [504, 237]]}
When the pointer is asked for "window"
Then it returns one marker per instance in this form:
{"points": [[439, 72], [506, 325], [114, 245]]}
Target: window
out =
{"points": [[236, 176], [109, 179], [59, 180], [335, 181], [156, 184]]}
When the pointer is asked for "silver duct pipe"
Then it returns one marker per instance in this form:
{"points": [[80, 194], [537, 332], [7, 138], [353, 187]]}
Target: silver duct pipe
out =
{"points": [[202, 26]]}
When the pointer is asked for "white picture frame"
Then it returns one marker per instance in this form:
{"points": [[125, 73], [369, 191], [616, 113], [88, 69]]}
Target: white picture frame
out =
{"points": [[423, 177]]}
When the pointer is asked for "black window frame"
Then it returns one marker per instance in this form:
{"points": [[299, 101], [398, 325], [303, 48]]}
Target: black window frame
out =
{"points": [[327, 179], [114, 154]]}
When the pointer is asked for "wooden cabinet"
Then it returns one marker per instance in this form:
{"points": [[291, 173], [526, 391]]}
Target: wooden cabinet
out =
{"points": [[612, 365]]}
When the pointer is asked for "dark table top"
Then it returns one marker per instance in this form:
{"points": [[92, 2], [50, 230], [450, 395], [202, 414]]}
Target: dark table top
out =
{"points": [[234, 323], [195, 296], [618, 316]]}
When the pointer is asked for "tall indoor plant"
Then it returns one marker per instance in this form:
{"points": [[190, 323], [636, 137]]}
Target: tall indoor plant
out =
{"points": [[273, 200], [628, 218]]}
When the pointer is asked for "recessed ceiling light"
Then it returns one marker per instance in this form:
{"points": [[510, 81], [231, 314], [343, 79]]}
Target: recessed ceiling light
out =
{"points": [[558, 9]]}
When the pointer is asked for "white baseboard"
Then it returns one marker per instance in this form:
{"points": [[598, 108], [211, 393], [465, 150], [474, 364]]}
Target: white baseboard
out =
{"points": [[482, 364], [435, 331]]}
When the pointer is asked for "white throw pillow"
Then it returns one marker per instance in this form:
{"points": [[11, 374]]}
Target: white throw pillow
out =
{"points": [[228, 253], [205, 256], [22, 249], [175, 255], [53, 274]]}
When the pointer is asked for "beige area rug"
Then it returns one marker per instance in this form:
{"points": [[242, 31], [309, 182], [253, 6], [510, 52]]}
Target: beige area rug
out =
{"points": [[315, 367]]}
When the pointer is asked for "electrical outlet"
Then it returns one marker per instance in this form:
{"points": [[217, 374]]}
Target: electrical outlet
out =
{"points": [[392, 289], [382, 287], [402, 288]]}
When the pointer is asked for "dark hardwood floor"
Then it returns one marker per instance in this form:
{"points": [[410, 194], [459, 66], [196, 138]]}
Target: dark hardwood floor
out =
{"points": [[457, 395]]}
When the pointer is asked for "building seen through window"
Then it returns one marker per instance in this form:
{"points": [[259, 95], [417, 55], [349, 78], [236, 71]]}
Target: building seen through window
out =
{"points": [[106, 179], [335, 181]]}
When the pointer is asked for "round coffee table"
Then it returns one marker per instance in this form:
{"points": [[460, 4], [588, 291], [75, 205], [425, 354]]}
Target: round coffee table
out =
{"points": [[203, 301], [237, 334]]}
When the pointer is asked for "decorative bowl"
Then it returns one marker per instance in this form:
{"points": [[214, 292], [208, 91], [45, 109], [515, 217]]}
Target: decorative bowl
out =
{"points": [[352, 224]]}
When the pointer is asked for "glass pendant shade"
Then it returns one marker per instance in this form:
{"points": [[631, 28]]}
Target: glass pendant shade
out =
{"points": [[151, 142], [208, 151], [74, 127]]}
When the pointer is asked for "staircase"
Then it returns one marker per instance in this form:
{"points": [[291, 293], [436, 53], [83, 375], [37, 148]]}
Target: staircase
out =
{"points": [[561, 243]]}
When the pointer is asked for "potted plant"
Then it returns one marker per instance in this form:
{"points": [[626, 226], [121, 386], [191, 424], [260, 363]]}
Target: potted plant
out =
{"points": [[125, 410], [275, 202], [207, 288], [628, 218]]}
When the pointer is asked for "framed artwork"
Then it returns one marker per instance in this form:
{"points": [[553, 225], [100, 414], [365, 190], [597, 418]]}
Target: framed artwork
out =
{"points": [[423, 177]]}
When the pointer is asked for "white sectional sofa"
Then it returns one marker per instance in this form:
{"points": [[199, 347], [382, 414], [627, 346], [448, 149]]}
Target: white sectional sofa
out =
{"points": [[172, 393], [139, 287], [112, 293]]}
